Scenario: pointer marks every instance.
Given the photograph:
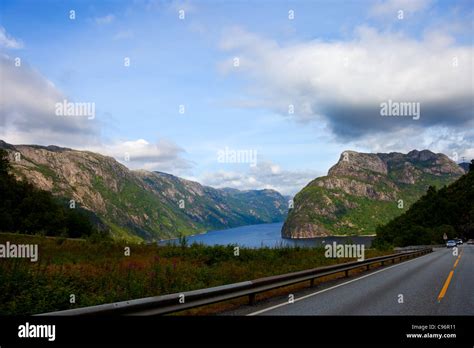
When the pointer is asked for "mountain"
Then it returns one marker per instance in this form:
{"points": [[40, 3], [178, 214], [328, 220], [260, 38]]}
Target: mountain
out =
{"points": [[140, 205], [449, 211], [219, 208], [364, 190], [29, 210]]}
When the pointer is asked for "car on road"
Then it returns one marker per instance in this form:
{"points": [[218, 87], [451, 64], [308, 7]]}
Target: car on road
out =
{"points": [[470, 241], [451, 244], [459, 241]]}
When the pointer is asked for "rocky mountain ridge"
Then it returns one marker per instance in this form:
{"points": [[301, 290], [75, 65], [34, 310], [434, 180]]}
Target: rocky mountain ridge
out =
{"points": [[140, 205], [363, 190]]}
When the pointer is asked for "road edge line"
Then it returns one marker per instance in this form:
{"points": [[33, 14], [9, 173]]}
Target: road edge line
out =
{"points": [[332, 287]]}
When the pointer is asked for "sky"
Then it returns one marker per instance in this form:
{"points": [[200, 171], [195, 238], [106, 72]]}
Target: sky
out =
{"points": [[180, 86]]}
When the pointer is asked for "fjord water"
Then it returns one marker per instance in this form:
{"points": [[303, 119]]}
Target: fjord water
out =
{"points": [[265, 235]]}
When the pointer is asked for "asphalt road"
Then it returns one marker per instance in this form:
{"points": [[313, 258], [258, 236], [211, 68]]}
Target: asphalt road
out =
{"points": [[421, 286]]}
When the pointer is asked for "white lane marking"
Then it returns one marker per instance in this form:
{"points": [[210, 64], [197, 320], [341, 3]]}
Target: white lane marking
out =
{"points": [[333, 287]]}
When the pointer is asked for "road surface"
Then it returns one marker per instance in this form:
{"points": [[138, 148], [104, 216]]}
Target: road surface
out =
{"points": [[438, 283]]}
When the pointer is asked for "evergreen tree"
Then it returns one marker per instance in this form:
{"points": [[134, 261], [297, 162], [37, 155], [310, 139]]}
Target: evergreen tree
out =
{"points": [[26, 209], [449, 211]]}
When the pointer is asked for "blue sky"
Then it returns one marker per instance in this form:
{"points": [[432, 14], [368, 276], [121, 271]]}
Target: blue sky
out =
{"points": [[334, 63]]}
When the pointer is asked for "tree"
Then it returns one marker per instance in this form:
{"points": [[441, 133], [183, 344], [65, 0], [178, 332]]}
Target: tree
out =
{"points": [[4, 163], [26, 209], [448, 210]]}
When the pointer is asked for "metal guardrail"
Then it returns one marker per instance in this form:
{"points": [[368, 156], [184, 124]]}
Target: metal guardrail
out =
{"points": [[419, 247], [190, 299]]}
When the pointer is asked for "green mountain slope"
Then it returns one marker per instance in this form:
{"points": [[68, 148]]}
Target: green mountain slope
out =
{"points": [[139, 205], [27, 209], [364, 190], [217, 208], [449, 211]]}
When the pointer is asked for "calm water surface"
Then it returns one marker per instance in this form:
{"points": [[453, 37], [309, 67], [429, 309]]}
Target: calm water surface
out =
{"points": [[256, 236]]}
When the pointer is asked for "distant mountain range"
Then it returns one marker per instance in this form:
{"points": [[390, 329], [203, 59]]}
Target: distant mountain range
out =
{"points": [[364, 190], [140, 205]]}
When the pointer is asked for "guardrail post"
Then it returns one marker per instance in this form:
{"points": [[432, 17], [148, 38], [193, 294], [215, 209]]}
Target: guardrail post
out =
{"points": [[311, 283], [383, 262], [252, 299], [346, 273], [368, 267]]}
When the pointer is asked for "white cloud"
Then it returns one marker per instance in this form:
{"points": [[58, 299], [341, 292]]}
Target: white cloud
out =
{"points": [[342, 83], [163, 156], [7, 41], [27, 116], [27, 110], [266, 175], [105, 19]]}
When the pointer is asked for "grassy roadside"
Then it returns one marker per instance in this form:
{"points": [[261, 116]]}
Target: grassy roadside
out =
{"points": [[98, 273]]}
